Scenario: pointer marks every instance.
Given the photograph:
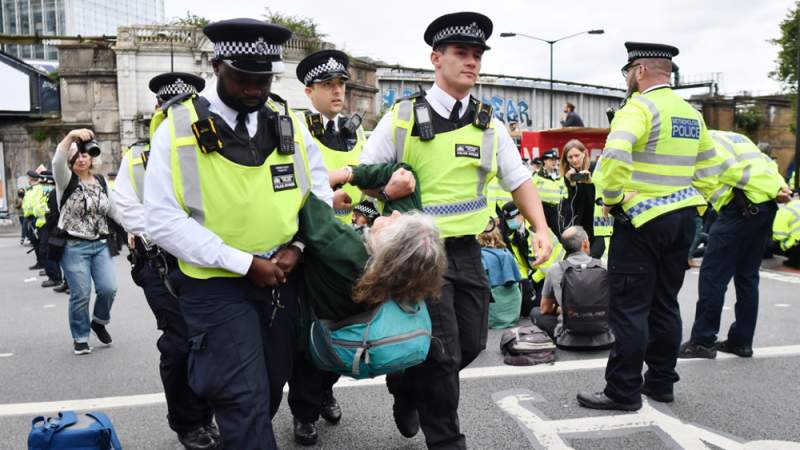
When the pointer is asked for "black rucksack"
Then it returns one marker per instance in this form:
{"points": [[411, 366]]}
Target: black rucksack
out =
{"points": [[584, 302]]}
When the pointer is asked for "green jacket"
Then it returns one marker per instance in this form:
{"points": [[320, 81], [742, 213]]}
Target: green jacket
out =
{"points": [[335, 254]]}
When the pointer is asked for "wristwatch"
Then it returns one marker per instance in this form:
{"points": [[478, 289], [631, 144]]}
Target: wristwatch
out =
{"points": [[382, 195]]}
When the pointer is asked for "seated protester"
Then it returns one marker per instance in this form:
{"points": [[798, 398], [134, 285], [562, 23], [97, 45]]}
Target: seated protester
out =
{"points": [[503, 274], [786, 233], [574, 307], [364, 214], [516, 238]]}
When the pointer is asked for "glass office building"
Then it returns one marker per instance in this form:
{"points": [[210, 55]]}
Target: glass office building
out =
{"points": [[71, 18]]}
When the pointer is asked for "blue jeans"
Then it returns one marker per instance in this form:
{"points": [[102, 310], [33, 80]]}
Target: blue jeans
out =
{"points": [[84, 262], [734, 250]]}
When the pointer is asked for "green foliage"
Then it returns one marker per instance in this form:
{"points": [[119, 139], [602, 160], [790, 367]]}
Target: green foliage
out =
{"points": [[748, 119], [40, 135], [301, 26], [786, 70], [190, 20]]}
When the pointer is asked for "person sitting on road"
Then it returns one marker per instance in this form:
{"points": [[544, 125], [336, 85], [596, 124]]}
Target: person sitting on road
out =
{"points": [[504, 277], [574, 306]]}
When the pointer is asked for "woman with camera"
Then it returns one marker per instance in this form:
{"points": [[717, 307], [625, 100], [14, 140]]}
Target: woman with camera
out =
{"points": [[85, 211], [578, 207]]}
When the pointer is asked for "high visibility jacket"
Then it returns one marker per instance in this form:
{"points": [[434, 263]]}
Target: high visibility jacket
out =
{"points": [[550, 191], [253, 209], [497, 196], [454, 170], [657, 147], [155, 121], [336, 159], [32, 196], [136, 166], [743, 166], [786, 226], [39, 206], [558, 254]]}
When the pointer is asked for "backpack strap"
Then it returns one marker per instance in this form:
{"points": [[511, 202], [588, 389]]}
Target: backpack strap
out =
{"points": [[100, 179], [51, 427], [103, 420]]}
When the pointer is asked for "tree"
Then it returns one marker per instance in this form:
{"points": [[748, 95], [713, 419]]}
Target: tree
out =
{"points": [[786, 70], [303, 26], [190, 20]]}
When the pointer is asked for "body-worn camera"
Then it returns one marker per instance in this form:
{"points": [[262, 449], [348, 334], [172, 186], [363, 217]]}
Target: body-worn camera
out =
{"points": [[89, 147]]}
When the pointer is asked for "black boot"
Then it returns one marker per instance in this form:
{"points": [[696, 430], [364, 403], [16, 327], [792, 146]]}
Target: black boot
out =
{"points": [[406, 417], [61, 287], [305, 433], [197, 439], [598, 400], [330, 410]]}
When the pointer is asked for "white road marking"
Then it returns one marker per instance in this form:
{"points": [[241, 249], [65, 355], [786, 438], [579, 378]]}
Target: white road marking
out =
{"points": [[544, 433], [49, 305], [726, 308], [29, 280], [769, 275], [16, 409], [782, 305], [6, 355]]}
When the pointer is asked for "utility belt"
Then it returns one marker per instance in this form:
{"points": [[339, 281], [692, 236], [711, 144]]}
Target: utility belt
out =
{"points": [[616, 211], [145, 252], [743, 205]]}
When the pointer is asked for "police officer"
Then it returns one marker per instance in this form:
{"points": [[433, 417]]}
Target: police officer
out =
{"points": [[651, 178], [32, 196], [340, 139], [786, 232], [455, 148], [49, 208], [227, 174], [744, 199], [188, 415], [551, 188]]}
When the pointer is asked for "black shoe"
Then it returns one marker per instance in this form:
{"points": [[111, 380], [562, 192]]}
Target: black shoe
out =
{"points": [[50, 283], [212, 429], [665, 397], [197, 439], [42, 273], [690, 351], [738, 350], [81, 348], [35, 267], [330, 410], [101, 332], [305, 433], [405, 417], [61, 287], [598, 400]]}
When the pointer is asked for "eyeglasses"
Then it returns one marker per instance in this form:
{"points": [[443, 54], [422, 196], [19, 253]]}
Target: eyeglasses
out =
{"points": [[625, 72]]}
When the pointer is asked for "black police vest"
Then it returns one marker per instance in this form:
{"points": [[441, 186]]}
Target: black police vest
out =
{"points": [[251, 152]]}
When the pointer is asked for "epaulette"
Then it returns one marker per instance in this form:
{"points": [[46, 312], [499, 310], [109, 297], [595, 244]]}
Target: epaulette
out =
{"points": [[278, 99], [177, 99]]}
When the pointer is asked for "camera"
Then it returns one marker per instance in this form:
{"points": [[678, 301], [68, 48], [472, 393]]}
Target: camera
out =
{"points": [[91, 147], [575, 177]]}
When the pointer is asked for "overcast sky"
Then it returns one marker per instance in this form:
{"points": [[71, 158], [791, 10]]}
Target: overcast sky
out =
{"points": [[727, 36]]}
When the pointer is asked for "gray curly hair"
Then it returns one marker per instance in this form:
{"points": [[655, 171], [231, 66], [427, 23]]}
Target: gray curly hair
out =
{"points": [[407, 262]]}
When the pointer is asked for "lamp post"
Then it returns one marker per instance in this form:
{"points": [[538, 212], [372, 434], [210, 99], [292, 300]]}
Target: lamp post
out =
{"points": [[551, 42], [171, 52]]}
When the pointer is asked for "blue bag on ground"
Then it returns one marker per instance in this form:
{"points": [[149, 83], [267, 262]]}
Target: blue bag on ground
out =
{"points": [[385, 339], [69, 431]]}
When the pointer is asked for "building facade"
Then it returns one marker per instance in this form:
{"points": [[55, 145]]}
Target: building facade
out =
{"points": [[70, 18]]}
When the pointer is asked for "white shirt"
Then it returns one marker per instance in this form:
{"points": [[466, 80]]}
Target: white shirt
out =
{"points": [[168, 225], [130, 211], [325, 120], [510, 170], [658, 86]]}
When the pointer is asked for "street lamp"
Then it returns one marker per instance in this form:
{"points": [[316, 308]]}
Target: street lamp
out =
{"points": [[164, 34], [551, 42]]}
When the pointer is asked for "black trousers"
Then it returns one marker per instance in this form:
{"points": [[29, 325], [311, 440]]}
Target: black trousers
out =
{"points": [[646, 266], [240, 357], [185, 410], [51, 267], [551, 216], [460, 318], [307, 387]]}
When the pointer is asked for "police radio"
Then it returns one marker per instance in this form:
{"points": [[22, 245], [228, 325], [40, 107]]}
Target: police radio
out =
{"points": [[423, 119], [285, 132], [315, 126], [352, 123], [206, 134], [483, 117]]}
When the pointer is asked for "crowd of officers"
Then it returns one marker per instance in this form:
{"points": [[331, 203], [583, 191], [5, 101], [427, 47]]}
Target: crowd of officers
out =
{"points": [[215, 246]]}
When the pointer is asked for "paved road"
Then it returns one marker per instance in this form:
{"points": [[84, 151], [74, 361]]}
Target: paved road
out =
{"points": [[727, 403]]}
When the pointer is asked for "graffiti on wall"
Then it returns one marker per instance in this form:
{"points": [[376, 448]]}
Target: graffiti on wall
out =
{"points": [[505, 109]]}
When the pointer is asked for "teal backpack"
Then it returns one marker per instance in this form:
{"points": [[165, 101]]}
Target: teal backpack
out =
{"points": [[385, 339]]}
